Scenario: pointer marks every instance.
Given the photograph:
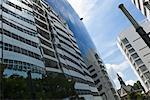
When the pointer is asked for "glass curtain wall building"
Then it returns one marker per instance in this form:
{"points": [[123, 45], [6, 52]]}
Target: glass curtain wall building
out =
{"points": [[33, 37], [19, 42], [87, 48]]}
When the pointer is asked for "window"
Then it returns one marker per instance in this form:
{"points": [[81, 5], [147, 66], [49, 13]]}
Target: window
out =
{"points": [[125, 41], [19, 28], [43, 33], [16, 49], [10, 47], [45, 43], [19, 38], [22, 66], [48, 52], [25, 2], [97, 81], [96, 56], [90, 66], [139, 61], [17, 16], [99, 88], [143, 68], [92, 70], [128, 46], [41, 24], [63, 30], [94, 76], [147, 75], [50, 63], [135, 55], [39, 16], [18, 7], [131, 50]]}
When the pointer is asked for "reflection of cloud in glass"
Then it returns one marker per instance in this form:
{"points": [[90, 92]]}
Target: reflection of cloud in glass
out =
{"points": [[75, 24]]}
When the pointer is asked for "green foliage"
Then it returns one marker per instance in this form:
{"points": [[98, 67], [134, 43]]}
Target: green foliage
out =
{"points": [[16, 87], [136, 95]]}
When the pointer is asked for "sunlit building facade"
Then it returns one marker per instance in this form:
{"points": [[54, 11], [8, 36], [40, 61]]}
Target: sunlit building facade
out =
{"points": [[34, 38], [93, 61], [137, 52]]}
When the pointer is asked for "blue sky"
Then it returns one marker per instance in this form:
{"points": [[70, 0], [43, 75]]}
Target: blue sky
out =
{"points": [[104, 21]]}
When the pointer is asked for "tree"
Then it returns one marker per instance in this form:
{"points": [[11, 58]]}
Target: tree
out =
{"points": [[137, 93], [58, 87]]}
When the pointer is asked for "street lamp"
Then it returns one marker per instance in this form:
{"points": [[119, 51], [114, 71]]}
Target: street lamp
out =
{"points": [[139, 29], [81, 19]]}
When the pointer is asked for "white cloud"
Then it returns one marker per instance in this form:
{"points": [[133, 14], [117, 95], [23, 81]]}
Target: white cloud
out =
{"points": [[90, 8], [117, 84], [82, 7], [113, 69], [121, 74], [118, 67], [110, 53], [130, 82]]}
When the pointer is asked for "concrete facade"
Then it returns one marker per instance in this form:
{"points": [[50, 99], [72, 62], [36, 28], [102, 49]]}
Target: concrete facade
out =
{"points": [[137, 52]]}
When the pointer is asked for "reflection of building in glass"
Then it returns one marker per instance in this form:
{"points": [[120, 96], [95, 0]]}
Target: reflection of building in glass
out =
{"points": [[34, 38], [140, 5], [137, 53], [88, 50]]}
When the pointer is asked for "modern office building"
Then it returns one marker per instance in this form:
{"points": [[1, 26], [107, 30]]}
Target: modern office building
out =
{"points": [[87, 48], [137, 52], [33, 37], [140, 5], [18, 39]]}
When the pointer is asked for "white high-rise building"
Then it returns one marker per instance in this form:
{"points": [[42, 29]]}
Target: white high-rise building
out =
{"points": [[137, 52], [100, 76], [33, 37], [142, 8]]}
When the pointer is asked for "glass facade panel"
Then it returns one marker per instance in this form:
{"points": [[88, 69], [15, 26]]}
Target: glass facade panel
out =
{"points": [[64, 9]]}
